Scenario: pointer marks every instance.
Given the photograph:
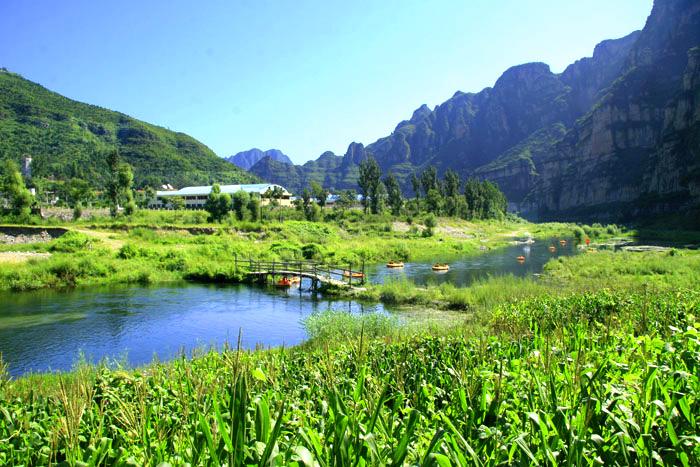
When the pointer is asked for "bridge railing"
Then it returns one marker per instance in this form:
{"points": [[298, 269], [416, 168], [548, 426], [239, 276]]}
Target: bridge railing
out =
{"points": [[315, 270]]}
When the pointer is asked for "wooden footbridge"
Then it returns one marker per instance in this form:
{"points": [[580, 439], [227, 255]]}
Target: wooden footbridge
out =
{"points": [[319, 274]]}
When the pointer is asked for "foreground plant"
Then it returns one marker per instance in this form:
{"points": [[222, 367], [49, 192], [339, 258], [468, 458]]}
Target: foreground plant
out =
{"points": [[605, 378]]}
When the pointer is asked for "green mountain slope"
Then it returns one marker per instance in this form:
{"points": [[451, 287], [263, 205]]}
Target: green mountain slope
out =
{"points": [[69, 139]]}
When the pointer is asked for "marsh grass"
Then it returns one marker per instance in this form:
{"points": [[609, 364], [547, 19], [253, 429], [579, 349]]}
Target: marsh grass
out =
{"points": [[479, 296], [609, 377]]}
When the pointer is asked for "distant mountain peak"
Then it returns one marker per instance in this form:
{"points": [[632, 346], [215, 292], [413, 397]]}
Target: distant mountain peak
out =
{"points": [[247, 159]]}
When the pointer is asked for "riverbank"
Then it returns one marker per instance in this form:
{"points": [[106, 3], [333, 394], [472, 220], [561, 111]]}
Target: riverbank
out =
{"points": [[130, 253], [518, 388], [578, 353]]}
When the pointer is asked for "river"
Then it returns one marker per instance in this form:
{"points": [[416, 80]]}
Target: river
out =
{"points": [[48, 330]]}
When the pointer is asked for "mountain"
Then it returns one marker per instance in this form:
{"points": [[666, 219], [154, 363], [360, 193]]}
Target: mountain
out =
{"points": [[337, 172], [613, 136], [69, 139], [247, 159]]}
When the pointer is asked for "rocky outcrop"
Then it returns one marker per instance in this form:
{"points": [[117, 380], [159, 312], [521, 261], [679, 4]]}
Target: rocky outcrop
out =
{"points": [[635, 153], [615, 135], [247, 159]]}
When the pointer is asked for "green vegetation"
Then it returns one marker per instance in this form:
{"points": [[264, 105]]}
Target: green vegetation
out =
{"points": [[19, 198], [593, 362], [603, 377], [140, 252], [68, 139]]}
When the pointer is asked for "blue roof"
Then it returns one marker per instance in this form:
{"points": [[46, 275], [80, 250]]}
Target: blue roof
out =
{"points": [[230, 189]]}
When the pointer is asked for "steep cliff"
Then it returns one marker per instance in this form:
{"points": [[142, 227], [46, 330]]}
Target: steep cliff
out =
{"points": [[615, 135], [636, 152]]}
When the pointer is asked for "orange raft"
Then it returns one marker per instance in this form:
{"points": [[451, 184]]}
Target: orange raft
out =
{"points": [[394, 264], [288, 281], [355, 275], [552, 249], [562, 242], [521, 259], [441, 267]]}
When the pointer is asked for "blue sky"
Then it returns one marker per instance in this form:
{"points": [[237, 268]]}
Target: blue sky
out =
{"points": [[301, 76]]}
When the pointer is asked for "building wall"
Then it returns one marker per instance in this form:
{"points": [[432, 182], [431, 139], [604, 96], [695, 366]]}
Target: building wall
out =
{"points": [[198, 202]]}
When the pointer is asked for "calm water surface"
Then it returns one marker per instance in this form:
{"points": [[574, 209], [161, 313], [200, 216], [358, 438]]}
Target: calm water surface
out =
{"points": [[464, 271], [48, 330]]}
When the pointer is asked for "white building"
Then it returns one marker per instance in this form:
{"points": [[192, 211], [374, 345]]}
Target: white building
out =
{"points": [[196, 196]]}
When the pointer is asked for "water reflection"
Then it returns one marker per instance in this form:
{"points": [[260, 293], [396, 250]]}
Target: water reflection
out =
{"points": [[464, 271], [47, 330]]}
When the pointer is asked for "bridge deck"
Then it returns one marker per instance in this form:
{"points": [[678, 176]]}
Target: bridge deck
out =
{"points": [[318, 277], [316, 272]]}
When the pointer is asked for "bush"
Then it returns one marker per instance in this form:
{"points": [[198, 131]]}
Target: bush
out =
{"points": [[71, 242], [337, 326], [312, 251], [579, 234], [130, 251]]}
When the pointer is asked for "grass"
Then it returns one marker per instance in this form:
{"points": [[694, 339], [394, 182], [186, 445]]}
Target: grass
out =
{"points": [[607, 377], [107, 253], [595, 362]]}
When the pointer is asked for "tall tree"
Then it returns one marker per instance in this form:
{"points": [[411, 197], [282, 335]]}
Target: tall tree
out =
{"points": [[126, 181], [119, 185], [320, 193], [255, 207], [451, 184], [218, 204], [429, 180], [369, 180], [12, 186], [394, 196], [346, 199], [415, 184], [240, 201]]}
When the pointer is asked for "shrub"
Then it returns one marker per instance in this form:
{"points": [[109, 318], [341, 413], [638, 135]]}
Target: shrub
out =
{"points": [[337, 326], [131, 251], [312, 251], [71, 242]]}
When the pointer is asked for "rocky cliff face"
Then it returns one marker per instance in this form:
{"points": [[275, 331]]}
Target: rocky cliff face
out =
{"points": [[615, 135], [635, 152]]}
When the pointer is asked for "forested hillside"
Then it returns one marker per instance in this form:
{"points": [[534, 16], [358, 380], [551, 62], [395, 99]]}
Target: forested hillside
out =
{"points": [[68, 139]]}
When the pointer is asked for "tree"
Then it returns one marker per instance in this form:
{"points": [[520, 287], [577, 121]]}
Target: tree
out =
{"points": [[415, 184], [430, 224], [177, 203], [451, 184], [274, 194], [433, 201], [377, 201], [484, 200], [429, 180], [78, 191], [146, 196], [310, 209], [218, 204], [12, 186], [320, 193], [254, 205], [495, 202], [240, 204], [126, 180], [346, 199], [394, 196], [121, 179], [369, 180]]}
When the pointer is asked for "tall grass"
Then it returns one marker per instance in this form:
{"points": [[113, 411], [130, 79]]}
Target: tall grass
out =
{"points": [[569, 387], [481, 295]]}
